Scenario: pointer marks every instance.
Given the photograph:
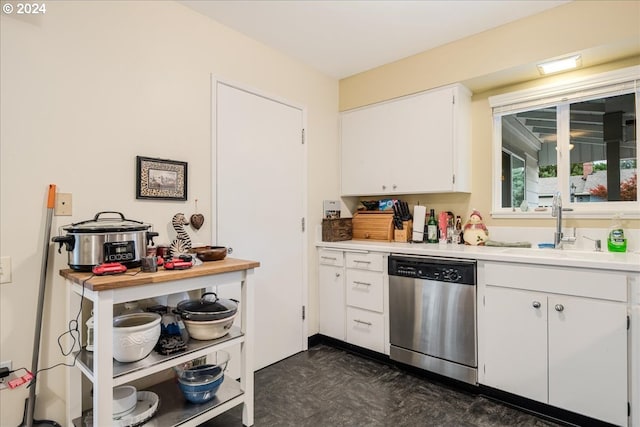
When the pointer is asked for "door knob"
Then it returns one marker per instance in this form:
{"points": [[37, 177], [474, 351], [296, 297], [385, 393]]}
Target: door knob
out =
{"points": [[559, 307]]}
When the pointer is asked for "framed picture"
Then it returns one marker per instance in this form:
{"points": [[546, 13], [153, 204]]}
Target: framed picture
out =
{"points": [[161, 179]]}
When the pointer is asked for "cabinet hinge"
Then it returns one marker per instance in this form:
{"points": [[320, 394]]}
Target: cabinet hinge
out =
{"points": [[628, 409], [302, 224], [454, 99], [628, 322], [454, 178], [303, 313], [302, 136], [484, 303]]}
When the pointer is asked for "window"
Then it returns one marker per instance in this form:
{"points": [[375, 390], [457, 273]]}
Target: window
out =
{"points": [[578, 139]]}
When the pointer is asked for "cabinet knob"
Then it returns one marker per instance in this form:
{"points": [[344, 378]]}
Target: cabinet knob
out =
{"points": [[536, 304], [229, 251], [384, 187], [395, 186], [337, 274], [559, 307]]}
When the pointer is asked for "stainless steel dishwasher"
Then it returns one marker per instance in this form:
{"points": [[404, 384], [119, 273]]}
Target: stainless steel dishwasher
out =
{"points": [[432, 314]]}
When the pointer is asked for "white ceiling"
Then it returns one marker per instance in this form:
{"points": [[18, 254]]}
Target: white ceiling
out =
{"points": [[342, 38]]}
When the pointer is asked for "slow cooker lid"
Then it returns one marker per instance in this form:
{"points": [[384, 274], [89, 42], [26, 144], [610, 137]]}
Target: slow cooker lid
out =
{"points": [[107, 224], [207, 306]]}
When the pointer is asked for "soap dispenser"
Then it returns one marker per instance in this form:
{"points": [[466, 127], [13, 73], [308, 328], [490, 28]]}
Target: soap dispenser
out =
{"points": [[616, 241]]}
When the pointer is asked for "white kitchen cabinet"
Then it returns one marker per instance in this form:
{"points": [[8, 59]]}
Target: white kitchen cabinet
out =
{"points": [[365, 329], [331, 294], [415, 144], [365, 290], [104, 373], [515, 342], [563, 343], [367, 299], [353, 298]]}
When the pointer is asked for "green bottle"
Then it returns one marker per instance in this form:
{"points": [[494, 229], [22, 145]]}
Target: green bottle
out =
{"points": [[432, 228], [616, 241]]}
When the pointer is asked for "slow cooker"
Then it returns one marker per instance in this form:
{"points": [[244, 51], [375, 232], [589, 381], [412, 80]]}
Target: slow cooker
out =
{"points": [[105, 239]]}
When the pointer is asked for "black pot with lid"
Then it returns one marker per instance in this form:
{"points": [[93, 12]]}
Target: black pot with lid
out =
{"points": [[105, 239], [204, 309]]}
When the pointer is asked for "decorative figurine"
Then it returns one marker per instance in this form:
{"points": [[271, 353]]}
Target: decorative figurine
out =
{"points": [[196, 219], [182, 242], [475, 232]]}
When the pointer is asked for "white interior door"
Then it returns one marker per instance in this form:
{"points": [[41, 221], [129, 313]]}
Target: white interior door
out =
{"points": [[260, 178]]}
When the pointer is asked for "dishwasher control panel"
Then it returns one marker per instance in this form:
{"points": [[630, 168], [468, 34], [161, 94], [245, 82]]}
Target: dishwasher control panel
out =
{"points": [[432, 268]]}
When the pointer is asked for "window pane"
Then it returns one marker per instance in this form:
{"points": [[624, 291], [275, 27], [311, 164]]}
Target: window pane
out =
{"points": [[529, 160], [603, 153]]}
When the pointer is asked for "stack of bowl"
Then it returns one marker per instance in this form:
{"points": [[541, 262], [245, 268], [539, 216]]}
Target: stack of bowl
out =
{"points": [[124, 400], [200, 383]]}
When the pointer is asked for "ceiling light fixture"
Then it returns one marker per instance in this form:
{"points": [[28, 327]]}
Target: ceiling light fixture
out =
{"points": [[559, 65]]}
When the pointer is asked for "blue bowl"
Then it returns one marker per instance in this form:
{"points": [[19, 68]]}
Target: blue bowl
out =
{"points": [[200, 392]]}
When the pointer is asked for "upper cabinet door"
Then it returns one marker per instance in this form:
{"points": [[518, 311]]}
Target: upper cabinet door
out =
{"points": [[415, 144]]}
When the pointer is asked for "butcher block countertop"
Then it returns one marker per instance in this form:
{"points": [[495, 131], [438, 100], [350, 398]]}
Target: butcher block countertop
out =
{"points": [[135, 277]]}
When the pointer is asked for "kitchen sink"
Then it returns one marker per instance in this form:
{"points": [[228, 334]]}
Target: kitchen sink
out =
{"points": [[562, 253]]}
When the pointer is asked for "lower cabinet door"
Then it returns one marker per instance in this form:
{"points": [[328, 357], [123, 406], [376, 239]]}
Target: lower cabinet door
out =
{"points": [[515, 348], [331, 301], [365, 329], [588, 357]]}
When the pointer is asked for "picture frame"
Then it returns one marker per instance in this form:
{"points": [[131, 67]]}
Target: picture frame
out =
{"points": [[160, 179]]}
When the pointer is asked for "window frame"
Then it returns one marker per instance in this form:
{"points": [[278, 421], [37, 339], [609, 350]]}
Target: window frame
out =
{"points": [[561, 95]]}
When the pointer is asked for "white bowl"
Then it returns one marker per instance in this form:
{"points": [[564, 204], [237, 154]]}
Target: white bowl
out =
{"points": [[135, 335], [209, 329], [124, 400]]}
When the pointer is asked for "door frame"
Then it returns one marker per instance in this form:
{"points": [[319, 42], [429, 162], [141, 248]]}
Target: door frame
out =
{"points": [[305, 189]]}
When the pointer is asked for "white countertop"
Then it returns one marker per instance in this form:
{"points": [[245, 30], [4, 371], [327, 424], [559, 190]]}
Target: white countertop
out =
{"points": [[559, 257]]}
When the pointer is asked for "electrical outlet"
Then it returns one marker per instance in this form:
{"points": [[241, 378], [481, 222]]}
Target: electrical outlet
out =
{"points": [[5, 272], [63, 204], [3, 381]]}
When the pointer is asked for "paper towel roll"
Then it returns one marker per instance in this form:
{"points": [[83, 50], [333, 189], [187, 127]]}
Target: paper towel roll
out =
{"points": [[419, 215]]}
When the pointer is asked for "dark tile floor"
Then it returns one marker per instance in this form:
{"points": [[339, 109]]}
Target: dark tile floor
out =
{"points": [[327, 386]]}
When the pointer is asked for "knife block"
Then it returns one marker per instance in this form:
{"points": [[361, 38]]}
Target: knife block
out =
{"points": [[403, 235], [373, 225]]}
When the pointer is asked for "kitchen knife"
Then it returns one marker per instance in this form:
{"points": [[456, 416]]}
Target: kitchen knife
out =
{"points": [[397, 221], [406, 214]]}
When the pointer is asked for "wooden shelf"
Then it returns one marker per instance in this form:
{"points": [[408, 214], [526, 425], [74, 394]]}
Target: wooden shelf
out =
{"points": [[135, 277]]}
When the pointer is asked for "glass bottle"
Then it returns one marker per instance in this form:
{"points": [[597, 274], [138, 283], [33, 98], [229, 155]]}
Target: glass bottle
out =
{"points": [[432, 228], [460, 240]]}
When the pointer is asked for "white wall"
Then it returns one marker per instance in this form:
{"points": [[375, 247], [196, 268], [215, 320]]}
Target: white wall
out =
{"points": [[87, 87]]}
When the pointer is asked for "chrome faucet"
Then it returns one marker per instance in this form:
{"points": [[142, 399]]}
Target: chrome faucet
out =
{"points": [[556, 212]]}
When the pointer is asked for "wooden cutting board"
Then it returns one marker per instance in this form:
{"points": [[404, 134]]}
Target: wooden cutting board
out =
{"points": [[373, 225]]}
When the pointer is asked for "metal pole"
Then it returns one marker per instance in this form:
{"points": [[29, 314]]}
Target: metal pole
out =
{"points": [[43, 278]]}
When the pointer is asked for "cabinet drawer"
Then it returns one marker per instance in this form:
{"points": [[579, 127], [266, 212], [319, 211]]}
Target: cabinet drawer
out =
{"points": [[608, 285], [329, 257], [367, 261], [365, 329], [364, 289]]}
